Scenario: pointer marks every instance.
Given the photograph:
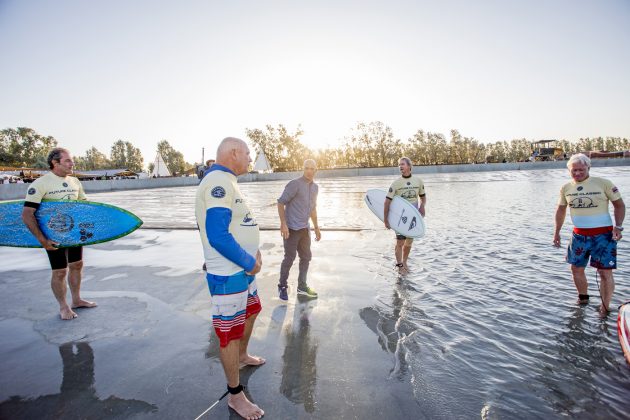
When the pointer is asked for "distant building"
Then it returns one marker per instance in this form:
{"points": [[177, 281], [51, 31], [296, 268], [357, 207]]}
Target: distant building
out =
{"points": [[159, 167], [262, 164]]}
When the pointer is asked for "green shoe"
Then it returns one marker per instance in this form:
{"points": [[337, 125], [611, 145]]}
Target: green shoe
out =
{"points": [[307, 291]]}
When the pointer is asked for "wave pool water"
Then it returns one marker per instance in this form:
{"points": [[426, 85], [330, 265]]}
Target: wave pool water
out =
{"points": [[486, 324]]}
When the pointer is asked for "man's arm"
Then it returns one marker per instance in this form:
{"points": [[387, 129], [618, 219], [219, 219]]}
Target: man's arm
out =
{"points": [[318, 233], [561, 212], [290, 190], [284, 229], [388, 203], [28, 217], [423, 203], [619, 210], [217, 230]]}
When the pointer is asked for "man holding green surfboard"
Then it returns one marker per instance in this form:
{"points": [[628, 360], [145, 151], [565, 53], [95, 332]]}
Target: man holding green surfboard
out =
{"points": [[58, 185]]}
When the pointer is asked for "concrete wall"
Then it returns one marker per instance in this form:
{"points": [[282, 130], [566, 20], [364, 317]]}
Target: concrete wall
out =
{"points": [[18, 191], [434, 169]]}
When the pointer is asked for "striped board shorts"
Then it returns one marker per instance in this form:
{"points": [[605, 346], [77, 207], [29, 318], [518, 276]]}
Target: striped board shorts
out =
{"points": [[234, 299]]}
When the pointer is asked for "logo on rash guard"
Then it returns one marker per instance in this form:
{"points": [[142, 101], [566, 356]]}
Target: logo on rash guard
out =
{"points": [[248, 220], [218, 192], [31, 191], [65, 184]]}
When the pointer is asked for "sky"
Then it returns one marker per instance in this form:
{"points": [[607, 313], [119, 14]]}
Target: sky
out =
{"points": [[194, 72]]}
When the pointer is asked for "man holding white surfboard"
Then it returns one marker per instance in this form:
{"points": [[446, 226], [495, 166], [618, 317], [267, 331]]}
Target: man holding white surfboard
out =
{"points": [[410, 188], [594, 236], [230, 238], [58, 185]]}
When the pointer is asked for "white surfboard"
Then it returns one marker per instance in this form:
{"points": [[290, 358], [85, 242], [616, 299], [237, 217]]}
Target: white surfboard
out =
{"points": [[404, 218], [623, 329]]}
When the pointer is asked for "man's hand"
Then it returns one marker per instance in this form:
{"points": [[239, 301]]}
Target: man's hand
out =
{"points": [[258, 265], [50, 245], [318, 234], [616, 234], [284, 230], [556, 240], [387, 224]]}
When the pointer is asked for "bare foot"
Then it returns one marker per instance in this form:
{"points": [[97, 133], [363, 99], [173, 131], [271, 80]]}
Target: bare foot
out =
{"points": [[582, 301], [83, 304], [67, 313], [402, 270], [244, 407], [249, 360]]}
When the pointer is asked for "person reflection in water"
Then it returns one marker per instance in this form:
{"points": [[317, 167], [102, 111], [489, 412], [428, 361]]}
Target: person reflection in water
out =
{"points": [[299, 373], [77, 397]]}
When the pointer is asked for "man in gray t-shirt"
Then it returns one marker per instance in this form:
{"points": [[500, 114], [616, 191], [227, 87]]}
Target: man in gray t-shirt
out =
{"points": [[296, 205]]}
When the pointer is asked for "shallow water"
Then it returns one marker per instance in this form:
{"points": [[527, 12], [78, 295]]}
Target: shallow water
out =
{"points": [[486, 324]]}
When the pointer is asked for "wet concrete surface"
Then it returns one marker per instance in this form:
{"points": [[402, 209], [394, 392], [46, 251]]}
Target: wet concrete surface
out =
{"points": [[148, 349]]}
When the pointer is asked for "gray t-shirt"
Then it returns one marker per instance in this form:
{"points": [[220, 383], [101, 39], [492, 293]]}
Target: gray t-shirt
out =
{"points": [[300, 198]]}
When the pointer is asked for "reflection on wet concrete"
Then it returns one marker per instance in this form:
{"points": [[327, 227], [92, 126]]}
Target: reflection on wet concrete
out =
{"points": [[77, 397], [579, 357], [299, 372], [392, 328]]}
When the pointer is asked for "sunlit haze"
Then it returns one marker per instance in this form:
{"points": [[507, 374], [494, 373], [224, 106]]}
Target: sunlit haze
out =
{"points": [[193, 72]]}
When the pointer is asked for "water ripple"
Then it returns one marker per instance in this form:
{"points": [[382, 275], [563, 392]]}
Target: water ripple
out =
{"points": [[486, 324]]}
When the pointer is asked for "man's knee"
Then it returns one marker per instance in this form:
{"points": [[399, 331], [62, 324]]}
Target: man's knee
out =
{"points": [[605, 274], [76, 266], [289, 255], [577, 270], [59, 274], [305, 255]]}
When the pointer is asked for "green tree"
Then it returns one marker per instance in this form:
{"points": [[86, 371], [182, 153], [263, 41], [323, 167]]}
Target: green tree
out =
{"points": [[373, 144], [417, 149], [438, 148], [24, 147], [283, 149], [92, 160], [174, 160], [124, 155]]}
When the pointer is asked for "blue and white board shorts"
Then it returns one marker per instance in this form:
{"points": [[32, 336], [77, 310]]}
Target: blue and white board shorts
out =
{"points": [[601, 249], [234, 299]]}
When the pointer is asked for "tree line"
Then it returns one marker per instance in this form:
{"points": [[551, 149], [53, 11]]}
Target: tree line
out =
{"points": [[371, 144], [374, 144], [24, 148]]}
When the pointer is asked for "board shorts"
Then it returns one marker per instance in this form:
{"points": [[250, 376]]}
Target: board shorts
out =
{"points": [[234, 299], [400, 237], [60, 258], [601, 249]]}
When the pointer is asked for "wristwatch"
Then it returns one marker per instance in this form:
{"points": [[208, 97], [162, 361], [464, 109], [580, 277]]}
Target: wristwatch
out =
{"points": [[619, 228]]}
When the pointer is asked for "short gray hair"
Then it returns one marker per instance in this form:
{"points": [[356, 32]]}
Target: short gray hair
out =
{"points": [[312, 161], [55, 154], [406, 160], [579, 157]]}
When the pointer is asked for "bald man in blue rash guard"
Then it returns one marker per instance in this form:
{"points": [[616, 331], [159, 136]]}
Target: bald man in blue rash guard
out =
{"points": [[230, 239]]}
